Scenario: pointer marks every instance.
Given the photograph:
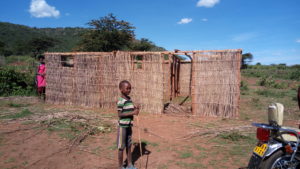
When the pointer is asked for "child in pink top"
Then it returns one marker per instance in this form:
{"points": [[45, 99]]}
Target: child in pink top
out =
{"points": [[40, 77]]}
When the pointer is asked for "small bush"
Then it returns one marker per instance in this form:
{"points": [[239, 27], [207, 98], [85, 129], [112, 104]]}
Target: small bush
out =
{"points": [[281, 85], [16, 83], [266, 81], [295, 75], [270, 82], [244, 86]]}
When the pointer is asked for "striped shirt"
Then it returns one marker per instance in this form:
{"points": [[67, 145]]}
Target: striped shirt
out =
{"points": [[125, 106]]}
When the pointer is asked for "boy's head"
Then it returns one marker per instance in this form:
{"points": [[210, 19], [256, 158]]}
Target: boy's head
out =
{"points": [[125, 87]]}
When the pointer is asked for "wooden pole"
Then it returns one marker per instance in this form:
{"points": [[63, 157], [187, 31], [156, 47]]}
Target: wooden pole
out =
{"points": [[140, 143]]}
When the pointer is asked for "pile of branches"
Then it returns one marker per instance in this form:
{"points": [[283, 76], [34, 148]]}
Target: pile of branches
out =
{"points": [[172, 108], [216, 132]]}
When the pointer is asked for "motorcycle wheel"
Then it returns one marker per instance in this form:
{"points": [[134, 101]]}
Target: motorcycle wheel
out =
{"points": [[277, 161]]}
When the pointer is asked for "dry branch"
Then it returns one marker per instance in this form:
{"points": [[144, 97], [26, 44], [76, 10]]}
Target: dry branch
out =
{"points": [[177, 109], [215, 132], [77, 140]]}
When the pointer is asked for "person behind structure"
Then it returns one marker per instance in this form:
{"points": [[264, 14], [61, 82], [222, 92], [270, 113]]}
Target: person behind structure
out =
{"points": [[126, 111], [41, 78]]}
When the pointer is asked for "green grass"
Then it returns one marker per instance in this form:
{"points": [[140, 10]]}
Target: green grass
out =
{"points": [[198, 147], [271, 93], [201, 156], [235, 136], [113, 147], [67, 135], [276, 71], [96, 150], [185, 154], [17, 105], [162, 166], [23, 113], [10, 160], [190, 165], [149, 143]]}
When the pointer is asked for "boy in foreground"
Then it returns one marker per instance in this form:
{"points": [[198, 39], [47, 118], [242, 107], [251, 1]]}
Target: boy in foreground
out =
{"points": [[126, 111]]}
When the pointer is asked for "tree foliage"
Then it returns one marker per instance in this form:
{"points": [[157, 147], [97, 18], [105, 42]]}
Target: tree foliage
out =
{"points": [[142, 45], [107, 34], [246, 59], [40, 45]]}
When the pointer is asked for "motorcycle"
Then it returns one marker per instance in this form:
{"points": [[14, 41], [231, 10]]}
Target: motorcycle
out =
{"points": [[278, 146]]}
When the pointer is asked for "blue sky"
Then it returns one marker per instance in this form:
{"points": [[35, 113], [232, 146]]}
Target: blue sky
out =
{"points": [[269, 29]]}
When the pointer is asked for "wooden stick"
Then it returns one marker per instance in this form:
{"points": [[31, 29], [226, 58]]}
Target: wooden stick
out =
{"points": [[139, 133]]}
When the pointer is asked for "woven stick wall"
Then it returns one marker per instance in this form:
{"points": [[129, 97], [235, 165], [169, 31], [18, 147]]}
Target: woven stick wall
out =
{"points": [[216, 83], [91, 79], [185, 78], [147, 78]]}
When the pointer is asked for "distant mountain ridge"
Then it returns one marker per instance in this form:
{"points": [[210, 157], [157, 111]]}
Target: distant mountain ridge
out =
{"points": [[14, 36], [15, 39]]}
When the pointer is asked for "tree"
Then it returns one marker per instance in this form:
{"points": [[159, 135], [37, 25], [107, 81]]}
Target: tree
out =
{"points": [[142, 45], [41, 44], [246, 59], [21, 48], [3, 50], [107, 34]]}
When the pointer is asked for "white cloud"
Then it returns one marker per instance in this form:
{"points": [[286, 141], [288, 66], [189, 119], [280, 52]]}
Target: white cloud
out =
{"points": [[298, 40], [204, 20], [40, 9], [185, 20], [207, 3]]}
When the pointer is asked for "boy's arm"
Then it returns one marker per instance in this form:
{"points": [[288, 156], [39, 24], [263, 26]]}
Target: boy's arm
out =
{"points": [[136, 111]]}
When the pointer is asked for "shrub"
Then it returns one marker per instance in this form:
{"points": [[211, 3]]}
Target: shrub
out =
{"points": [[266, 81], [295, 75], [270, 82], [281, 85], [16, 83], [244, 87]]}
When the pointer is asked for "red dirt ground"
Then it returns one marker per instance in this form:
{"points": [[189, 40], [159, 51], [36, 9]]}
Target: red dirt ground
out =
{"points": [[35, 148]]}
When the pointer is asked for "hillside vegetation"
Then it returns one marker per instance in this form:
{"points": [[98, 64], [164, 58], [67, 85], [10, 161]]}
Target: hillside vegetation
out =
{"points": [[24, 40], [17, 37]]}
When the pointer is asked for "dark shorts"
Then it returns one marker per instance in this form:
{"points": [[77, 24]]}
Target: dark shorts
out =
{"points": [[124, 137]]}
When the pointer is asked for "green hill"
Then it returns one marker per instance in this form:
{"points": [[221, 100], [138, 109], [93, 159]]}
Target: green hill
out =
{"points": [[15, 37]]}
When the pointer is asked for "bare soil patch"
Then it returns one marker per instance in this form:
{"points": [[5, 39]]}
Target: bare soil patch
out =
{"points": [[72, 137]]}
